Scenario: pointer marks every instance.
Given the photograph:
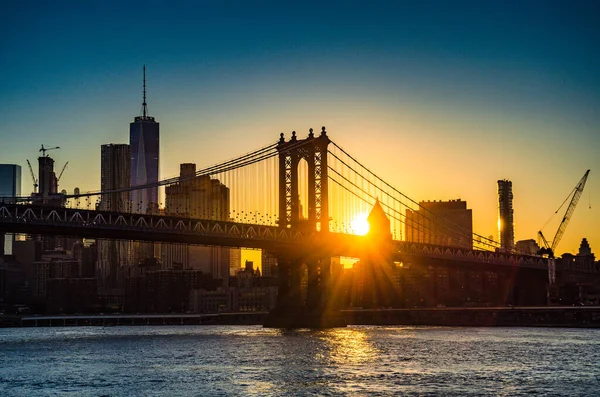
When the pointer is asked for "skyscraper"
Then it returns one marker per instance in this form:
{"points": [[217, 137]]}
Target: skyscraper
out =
{"points": [[48, 195], [269, 264], [441, 223], [115, 174], [145, 143], [48, 184], [235, 261], [10, 180], [506, 230], [197, 196], [10, 186], [204, 198]]}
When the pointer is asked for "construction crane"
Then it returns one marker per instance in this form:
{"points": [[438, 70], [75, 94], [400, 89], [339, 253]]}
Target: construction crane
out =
{"points": [[44, 150], [549, 248], [62, 171], [35, 181]]}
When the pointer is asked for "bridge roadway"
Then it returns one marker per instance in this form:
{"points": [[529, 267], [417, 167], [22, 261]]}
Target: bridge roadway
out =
{"points": [[35, 219]]}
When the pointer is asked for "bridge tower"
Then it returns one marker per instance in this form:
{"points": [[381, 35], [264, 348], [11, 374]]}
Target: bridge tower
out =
{"points": [[292, 310], [314, 151]]}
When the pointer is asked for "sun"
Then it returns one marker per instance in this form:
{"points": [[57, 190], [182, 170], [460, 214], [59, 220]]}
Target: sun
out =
{"points": [[360, 225]]}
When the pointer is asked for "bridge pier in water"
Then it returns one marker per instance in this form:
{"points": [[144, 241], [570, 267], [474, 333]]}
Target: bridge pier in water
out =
{"points": [[295, 311]]}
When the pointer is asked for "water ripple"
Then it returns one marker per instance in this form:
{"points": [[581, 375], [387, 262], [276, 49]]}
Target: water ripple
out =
{"points": [[252, 361]]}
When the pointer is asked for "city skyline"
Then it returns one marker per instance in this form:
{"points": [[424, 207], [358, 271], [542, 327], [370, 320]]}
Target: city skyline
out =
{"points": [[340, 197], [523, 109]]}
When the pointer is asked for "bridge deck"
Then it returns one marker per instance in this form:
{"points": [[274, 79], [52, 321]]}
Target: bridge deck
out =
{"points": [[32, 219]]}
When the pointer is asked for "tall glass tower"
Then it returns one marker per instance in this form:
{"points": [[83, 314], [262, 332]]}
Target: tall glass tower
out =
{"points": [[506, 228], [145, 143], [115, 174], [10, 181], [10, 186]]}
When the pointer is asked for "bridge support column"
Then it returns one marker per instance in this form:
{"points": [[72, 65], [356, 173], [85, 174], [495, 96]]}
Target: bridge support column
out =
{"points": [[325, 284], [313, 294], [318, 288], [291, 312], [289, 295]]}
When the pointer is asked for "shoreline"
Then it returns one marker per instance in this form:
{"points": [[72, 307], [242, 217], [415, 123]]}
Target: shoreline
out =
{"points": [[548, 317], [556, 317]]}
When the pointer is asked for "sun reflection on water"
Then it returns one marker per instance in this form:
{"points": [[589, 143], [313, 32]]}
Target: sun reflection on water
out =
{"points": [[348, 346]]}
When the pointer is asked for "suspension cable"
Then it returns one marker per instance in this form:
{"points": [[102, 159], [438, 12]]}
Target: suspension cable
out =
{"points": [[383, 204], [487, 240]]}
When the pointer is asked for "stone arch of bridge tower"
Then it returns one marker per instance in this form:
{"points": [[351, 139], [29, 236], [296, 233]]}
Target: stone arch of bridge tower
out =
{"points": [[303, 172], [314, 150]]}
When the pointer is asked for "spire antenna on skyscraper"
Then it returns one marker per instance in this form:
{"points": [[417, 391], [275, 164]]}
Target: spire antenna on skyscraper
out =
{"points": [[144, 141], [144, 105]]}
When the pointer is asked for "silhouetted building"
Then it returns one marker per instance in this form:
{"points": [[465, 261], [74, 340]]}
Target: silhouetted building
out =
{"points": [[10, 187], [199, 197], [10, 181], [235, 261], [12, 280], [506, 230], [374, 286], [256, 299], [165, 291], [53, 264], [585, 250], [144, 139], [447, 223], [248, 276], [529, 247], [48, 195], [269, 264], [225, 300], [144, 142], [115, 174], [578, 277], [27, 252], [379, 223], [48, 183], [222, 300], [87, 255]]}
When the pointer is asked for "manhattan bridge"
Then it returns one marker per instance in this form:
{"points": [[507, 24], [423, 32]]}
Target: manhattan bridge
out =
{"points": [[299, 199]]}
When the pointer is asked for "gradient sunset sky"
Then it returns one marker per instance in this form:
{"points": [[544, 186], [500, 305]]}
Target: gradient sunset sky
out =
{"points": [[441, 98]]}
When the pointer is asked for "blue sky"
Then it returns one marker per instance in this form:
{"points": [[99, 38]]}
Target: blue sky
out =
{"points": [[484, 90]]}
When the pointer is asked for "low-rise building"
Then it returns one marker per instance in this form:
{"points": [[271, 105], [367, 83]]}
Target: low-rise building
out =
{"points": [[528, 247], [225, 300], [578, 277]]}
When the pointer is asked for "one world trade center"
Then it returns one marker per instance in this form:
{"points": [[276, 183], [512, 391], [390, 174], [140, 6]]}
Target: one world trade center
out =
{"points": [[144, 140]]}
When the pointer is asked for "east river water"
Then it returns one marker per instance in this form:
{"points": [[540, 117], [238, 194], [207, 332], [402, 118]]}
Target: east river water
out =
{"points": [[252, 361]]}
